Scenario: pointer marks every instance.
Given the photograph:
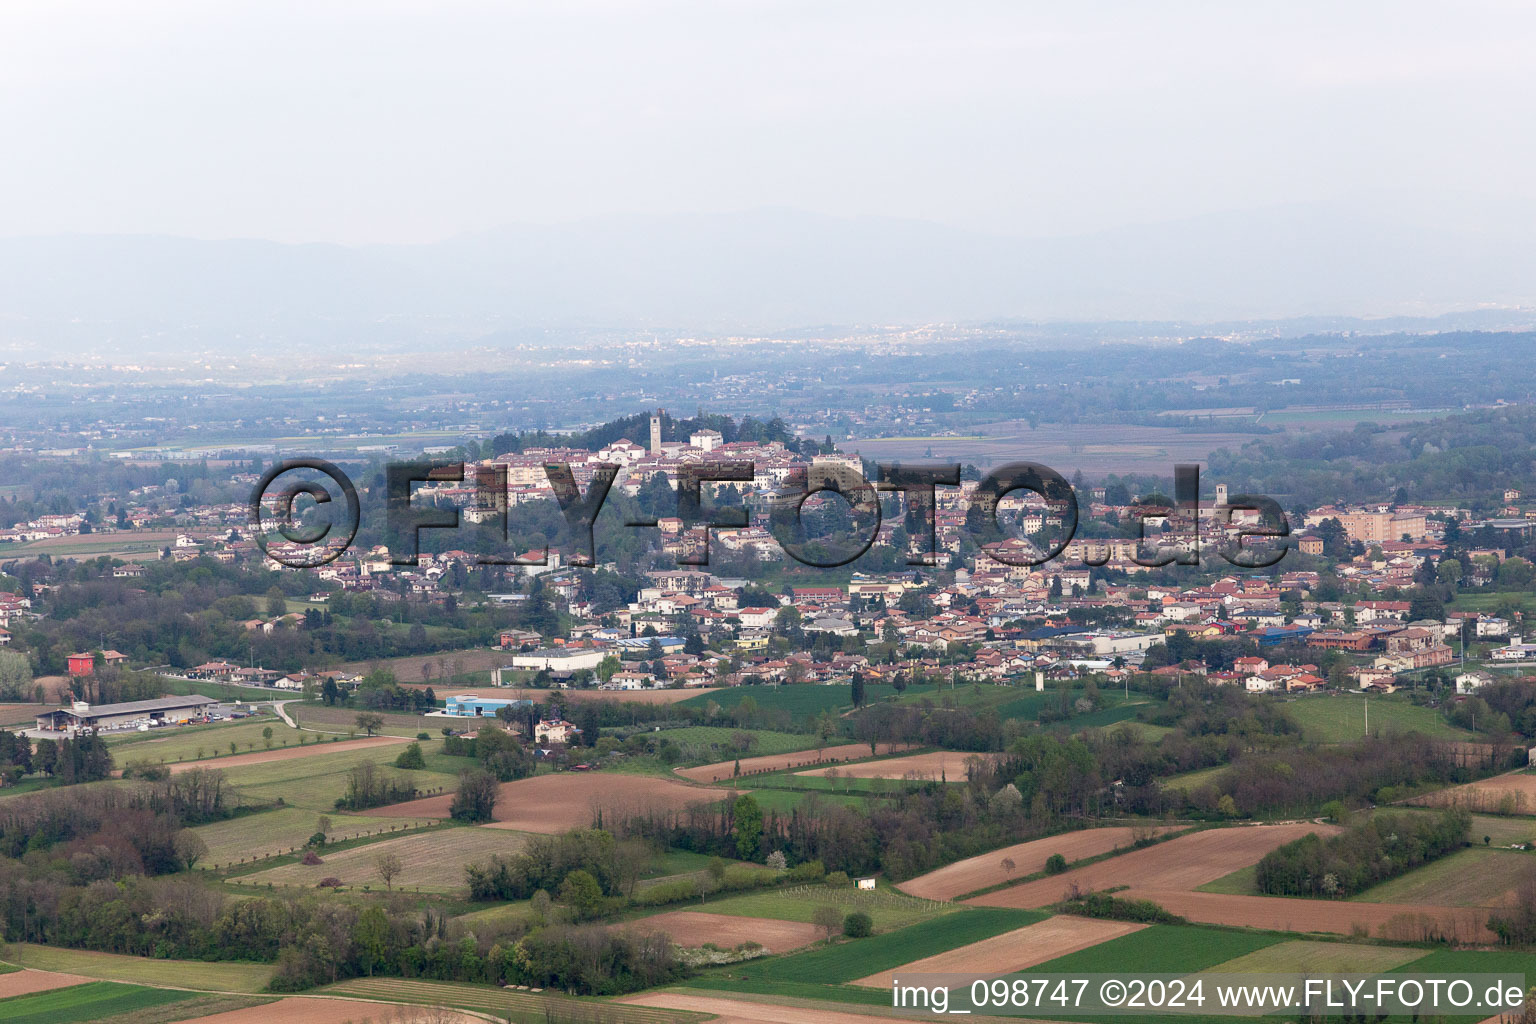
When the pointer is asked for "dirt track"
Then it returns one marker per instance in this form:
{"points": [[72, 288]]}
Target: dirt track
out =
{"points": [[777, 762], [1013, 951], [285, 753], [693, 928], [311, 1010], [550, 804], [27, 981], [946, 764], [974, 873], [1178, 865]]}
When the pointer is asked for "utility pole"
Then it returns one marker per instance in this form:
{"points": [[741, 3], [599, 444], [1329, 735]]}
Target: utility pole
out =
{"points": [[1367, 716]]}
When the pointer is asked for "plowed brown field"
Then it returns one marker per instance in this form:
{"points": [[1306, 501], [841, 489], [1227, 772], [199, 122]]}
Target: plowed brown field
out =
{"points": [[25, 982], [1177, 865], [1400, 922], [691, 928], [777, 762], [974, 873], [945, 764], [550, 804]]}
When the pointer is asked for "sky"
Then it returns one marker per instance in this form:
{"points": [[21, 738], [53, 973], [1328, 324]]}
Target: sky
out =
{"points": [[386, 121]]}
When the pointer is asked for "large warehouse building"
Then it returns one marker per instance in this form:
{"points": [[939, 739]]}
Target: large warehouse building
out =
{"points": [[81, 715]]}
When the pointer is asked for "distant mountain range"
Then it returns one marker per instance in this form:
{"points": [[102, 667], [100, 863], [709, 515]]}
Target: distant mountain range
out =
{"points": [[759, 271]]}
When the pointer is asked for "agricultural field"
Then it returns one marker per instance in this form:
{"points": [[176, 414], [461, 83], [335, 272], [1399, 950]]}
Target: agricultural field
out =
{"points": [[429, 861], [550, 804], [1012, 951], [935, 765], [697, 928], [212, 977], [1304, 957], [268, 832], [12, 715], [310, 1010], [1162, 948], [88, 1002], [506, 1004], [317, 780], [843, 963], [1500, 831], [987, 869], [20, 981], [1178, 864], [887, 908], [715, 743], [1467, 878], [1507, 794], [322, 719], [725, 770], [1338, 718], [173, 744]]}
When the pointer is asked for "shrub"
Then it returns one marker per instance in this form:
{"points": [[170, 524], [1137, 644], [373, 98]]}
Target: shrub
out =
{"points": [[1103, 905], [837, 879], [808, 871], [858, 925], [423, 735], [318, 839], [1055, 864], [411, 757], [311, 858], [328, 883]]}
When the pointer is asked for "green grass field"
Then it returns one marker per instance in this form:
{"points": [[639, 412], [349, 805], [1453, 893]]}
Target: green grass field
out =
{"points": [[1161, 949], [316, 781], [1304, 957], [707, 744], [429, 861], [183, 743], [1340, 718], [888, 908], [1189, 781], [270, 832], [1500, 830], [92, 1001], [1467, 878], [845, 961], [212, 977]]}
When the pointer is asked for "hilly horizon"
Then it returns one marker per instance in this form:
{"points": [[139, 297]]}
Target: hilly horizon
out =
{"points": [[757, 271]]}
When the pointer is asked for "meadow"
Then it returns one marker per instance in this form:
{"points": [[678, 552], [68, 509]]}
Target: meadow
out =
{"points": [[266, 833], [888, 909], [171, 744], [212, 977], [1341, 717], [1467, 878], [1307, 957], [317, 781], [91, 1001], [710, 743]]}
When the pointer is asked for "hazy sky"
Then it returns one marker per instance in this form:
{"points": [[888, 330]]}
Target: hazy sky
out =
{"points": [[391, 121]]}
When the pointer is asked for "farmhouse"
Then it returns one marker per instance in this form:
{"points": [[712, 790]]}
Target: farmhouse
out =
{"points": [[81, 715]]}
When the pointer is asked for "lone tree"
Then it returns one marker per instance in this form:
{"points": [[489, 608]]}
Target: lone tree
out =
{"points": [[189, 847], [370, 721], [1009, 867], [476, 798], [387, 866], [828, 918]]}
